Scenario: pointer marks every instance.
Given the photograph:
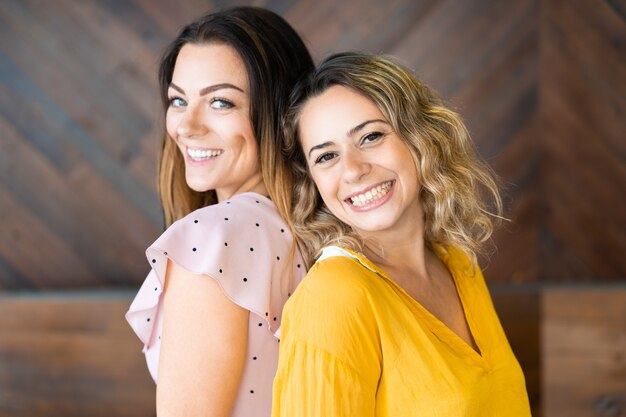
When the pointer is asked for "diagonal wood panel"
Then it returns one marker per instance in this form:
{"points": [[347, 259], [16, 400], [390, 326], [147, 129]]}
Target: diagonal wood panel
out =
{"points": [[583, 170], [91, 111], [533, 79], [71, 142], [483, 56], [368, 25]]}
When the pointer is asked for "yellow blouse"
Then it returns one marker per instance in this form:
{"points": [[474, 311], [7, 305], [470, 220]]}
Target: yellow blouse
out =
{"points": [[354, 343]]}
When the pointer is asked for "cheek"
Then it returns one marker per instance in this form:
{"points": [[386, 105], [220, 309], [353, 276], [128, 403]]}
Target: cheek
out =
{"points": [[171, 122], [251, 141], [327, 187], [245, 134], [235, 129]]}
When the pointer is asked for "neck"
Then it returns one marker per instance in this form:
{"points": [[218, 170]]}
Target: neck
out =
{"points": [[255, 185], [406, 251], [399, 256]]}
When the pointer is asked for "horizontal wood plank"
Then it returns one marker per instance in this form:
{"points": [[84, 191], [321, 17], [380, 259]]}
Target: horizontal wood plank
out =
{"points": [[71, 355], [584, 352]]}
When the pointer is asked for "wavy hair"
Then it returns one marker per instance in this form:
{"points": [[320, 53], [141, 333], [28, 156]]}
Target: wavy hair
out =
{"points": [[275, 58], [459, 194]]}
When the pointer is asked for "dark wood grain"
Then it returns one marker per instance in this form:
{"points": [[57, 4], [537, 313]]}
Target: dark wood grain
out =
{"points": [[520, 313], [583, 169], [584, 352], [71, 354], [539, 82]]}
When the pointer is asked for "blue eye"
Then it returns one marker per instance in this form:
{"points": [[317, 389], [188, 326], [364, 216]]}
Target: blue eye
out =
{"points": [[220, 103], [177, 102]]}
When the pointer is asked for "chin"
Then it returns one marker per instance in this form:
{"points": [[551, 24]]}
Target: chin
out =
{"points": [[372, 227], [198, 186], [200, 189]]}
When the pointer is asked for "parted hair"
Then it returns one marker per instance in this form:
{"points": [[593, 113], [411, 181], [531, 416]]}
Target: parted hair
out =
{"points": [[275, 59], [459, 194]]}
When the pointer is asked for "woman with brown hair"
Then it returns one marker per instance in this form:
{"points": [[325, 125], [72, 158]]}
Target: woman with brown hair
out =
{"points": [[389, 199], [209, 311]]}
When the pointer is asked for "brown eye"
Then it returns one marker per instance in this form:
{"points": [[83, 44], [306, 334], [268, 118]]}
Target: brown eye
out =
{"points": [[325, 157], [371, 137]]}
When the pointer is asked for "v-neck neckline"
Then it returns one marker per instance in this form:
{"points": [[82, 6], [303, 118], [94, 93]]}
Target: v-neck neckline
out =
{"points": [[436, 326], [460, 283]]}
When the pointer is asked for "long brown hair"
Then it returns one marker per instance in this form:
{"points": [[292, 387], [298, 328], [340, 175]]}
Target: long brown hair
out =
{"points": [[458, 192], [275, 58]]}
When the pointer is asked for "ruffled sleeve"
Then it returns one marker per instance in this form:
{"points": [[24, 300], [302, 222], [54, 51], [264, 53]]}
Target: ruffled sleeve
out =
{"points": [[330, 359], [242, 243]]}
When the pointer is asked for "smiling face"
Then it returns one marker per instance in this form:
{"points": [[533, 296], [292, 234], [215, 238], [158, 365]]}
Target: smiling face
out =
{"points": [[208, 118], [364, 172]]}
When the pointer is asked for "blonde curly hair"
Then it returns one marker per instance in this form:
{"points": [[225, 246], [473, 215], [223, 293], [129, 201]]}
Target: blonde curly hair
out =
{"points": [[459, 195]]}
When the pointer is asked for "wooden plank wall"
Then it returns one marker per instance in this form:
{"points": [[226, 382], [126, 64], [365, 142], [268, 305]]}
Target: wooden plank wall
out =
{"points": [[583, 148], [71, 355], [539, 82], [584, 352]]}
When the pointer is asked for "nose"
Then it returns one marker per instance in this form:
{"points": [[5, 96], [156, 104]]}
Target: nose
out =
{"points": [[355, 166], [191, 123]]}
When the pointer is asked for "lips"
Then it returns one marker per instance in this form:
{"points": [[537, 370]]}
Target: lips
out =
{"points": [[370, 196]]}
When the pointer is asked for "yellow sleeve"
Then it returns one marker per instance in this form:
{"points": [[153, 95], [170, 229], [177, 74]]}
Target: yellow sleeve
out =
{"points": [[329, 362], [314, 383]]}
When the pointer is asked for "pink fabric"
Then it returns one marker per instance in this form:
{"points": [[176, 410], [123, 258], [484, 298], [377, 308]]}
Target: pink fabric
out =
{"points": [[244, 245]]}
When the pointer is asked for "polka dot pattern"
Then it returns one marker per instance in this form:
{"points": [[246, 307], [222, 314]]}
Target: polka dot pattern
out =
{"points": [[239, 243]]}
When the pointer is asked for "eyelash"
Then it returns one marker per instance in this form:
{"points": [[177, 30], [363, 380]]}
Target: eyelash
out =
{"points": [[226, 103], [173, 99], [374, 136], [320, 159]]}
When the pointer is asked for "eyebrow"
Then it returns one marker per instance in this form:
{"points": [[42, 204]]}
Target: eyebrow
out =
{"points": [[209, 89], [351, 132], [320, 146], [360, 126]]}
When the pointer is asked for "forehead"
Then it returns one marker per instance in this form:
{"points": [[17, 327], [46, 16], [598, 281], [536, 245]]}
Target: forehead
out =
{"points": [[209, 63], [333, 113]]}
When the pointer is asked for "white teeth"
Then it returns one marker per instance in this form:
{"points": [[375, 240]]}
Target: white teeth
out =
{"points": [[372, 194], [202, 154]]}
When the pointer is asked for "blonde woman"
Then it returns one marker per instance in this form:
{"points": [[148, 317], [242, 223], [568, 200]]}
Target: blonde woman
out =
{"points": [[394, 317], [209, 312]]}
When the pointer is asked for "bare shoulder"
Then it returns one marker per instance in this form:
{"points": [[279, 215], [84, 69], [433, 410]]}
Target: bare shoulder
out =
{"points": [[191, 301], [206, 337]]}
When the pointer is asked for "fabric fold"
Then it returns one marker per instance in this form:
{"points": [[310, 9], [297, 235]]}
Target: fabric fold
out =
{"points": [[243, 244]]}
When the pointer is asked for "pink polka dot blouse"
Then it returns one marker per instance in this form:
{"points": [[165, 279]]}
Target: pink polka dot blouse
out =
{"points": [[246, 247]]}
